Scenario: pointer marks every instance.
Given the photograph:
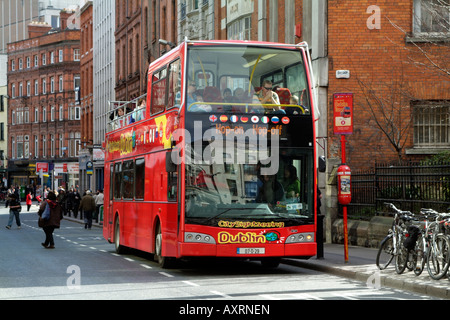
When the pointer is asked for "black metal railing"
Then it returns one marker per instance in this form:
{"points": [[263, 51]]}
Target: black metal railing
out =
{"points": [[410, 186]]}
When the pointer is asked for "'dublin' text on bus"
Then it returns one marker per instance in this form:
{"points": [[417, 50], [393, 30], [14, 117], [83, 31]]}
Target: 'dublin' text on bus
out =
{"points": [[218, 159]]}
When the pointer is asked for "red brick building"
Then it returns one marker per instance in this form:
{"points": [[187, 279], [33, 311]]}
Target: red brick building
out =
{"points": [[130, 71], [398, 57], [86, 66], [43, 116]]}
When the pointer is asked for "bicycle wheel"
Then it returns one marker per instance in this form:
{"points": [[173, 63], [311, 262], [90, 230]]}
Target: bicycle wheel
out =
{"points": [[439, 257], [420, 255], [401, 259], [385, 252]]}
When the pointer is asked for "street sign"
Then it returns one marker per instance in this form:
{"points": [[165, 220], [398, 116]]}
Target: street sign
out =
{"points": [[343, 113], [41, 166]]}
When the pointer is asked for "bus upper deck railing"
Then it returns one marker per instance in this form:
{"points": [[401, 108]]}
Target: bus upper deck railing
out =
{"points": [[123, 113]]}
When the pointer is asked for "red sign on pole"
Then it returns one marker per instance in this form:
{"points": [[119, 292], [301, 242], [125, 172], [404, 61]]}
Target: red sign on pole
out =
{"points": [[41, 166], [343, 113]]}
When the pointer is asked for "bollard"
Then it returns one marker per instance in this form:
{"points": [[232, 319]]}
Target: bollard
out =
{"points": [[319, 237]]}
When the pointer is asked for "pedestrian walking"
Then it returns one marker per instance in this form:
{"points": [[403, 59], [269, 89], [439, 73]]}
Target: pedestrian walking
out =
{"points": [[29, 201], [54, 220], [98, 203], [87, 205], [14, 210], [76, 203]]}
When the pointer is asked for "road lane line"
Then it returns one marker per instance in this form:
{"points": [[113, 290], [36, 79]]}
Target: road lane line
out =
{"points": [[166, 274], [191, 283]]}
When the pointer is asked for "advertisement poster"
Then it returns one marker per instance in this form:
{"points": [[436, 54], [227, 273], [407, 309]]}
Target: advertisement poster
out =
{"points": [[343, 113]]}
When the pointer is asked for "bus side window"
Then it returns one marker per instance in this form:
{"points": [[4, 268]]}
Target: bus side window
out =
{"points": [[172, 186], [139, 179], [111, 182], [174, 92], [159, 88], [117, 180], [128, 179]]}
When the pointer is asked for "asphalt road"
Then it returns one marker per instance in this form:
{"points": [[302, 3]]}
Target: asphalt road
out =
{"points": [[84, 266]]}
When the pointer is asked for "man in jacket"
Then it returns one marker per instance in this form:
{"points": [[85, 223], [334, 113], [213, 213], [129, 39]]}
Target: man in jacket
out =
{"points": [[87, 205]]}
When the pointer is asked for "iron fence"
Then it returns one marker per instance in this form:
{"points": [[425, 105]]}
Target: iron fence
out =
{"points": [[410, 186]]}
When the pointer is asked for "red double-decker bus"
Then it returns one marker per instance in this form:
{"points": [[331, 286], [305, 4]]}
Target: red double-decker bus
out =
{"points": [[219, 158]]}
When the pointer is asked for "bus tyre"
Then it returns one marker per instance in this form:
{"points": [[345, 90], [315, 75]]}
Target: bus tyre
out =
{"points": [[164, 262], [270, 262], [119, 248]]}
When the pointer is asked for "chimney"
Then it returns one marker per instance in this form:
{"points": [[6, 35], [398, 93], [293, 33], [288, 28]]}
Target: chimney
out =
{"points": [[37, 29], [63, 17]]}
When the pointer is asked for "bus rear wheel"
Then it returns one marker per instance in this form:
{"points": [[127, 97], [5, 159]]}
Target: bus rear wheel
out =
{"points": [[164, 262]]}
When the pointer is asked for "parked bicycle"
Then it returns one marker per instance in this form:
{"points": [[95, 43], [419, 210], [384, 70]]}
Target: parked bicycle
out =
{"points": [[392, 246], [438, 255], [420, 251]]}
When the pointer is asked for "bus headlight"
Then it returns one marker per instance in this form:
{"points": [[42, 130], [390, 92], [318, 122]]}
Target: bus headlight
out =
{"points": [[300, 237], [199, 238]]}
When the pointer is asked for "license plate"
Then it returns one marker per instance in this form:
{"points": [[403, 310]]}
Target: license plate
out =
{"points": [[251, 250]]}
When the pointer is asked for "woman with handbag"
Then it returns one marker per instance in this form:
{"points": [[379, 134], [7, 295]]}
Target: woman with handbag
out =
{"points": [[14, 210], [53, 222]]}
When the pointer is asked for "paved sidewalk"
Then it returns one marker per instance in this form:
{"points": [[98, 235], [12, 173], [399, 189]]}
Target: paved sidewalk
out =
{"points": [[361, 266]]}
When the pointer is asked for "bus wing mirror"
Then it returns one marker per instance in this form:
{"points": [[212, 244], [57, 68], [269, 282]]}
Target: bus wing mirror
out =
{"points": [[170, 165], [322, 164]]}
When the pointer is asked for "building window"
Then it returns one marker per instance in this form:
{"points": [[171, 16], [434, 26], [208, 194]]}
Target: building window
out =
{"points": [[74, 143], [61, 112], [52, 113], [44, 86], [52, 84], [36, 115], [36, 87], [52, 57], [20, 64], [44, 114], [52, 145], [431, 124], [61, 145], [76, 54], [61, 56], [28, 62], [13, 148], [431, 16], [13, 90], [20, 89], [19, 147], [36, 147], [26, 115], [61, 84], [239, 29], [36, 61], [75, 113], [44, 59], [28, 88], [13, 65], [44, 146]]}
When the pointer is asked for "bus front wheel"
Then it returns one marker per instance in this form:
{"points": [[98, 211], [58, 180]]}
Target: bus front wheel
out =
{"points": [[119, 248], [164, 262]]}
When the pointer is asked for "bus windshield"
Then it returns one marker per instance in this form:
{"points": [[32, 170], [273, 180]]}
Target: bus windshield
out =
{"points": [[246, 79], [233, 192]]}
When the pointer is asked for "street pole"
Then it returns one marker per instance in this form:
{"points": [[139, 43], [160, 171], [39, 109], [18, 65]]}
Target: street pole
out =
{"points": [[344, 208]]}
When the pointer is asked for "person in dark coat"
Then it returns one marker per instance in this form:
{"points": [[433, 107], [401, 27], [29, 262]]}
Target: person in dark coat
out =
{"points": [[53, 222], [87, 205]]}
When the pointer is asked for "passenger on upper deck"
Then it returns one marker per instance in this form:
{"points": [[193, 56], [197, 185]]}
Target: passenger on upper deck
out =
{"points": [[191, 96], [267, 96]]}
